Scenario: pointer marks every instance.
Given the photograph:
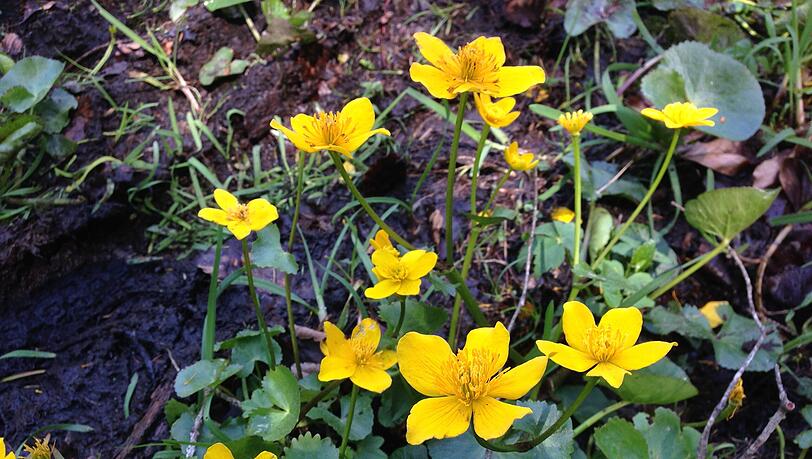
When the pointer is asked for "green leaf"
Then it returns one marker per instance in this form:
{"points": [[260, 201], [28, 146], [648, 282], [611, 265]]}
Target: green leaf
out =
{"points": [[57, 146], [660, 384], [6, 63], [249, 347], [691, 71], [308, 446], [202, 374], [396, 402], [717, 31], [594, 402], [557, 446], [639, 234], [27, 354], [178, 8], [369, 448], [361, 422], [28, 82], [583, 14], [499, 215], [664, 436], [410, 452], [804, 439], [686, 320], [420, 317], [598, 175], [728, 211], [267, 251], [251, 446], [55, 109], [601, 231], [17, 133], [214, 5], [273, 409], [738, 336], [221, 65], [643, 256], [618, 439], [665, 5]]}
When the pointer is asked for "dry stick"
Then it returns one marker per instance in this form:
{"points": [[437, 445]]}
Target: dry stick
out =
{"points": [[190, 449], [703, 441], [523, 297], [762, 267], [783, 408], [638, 73]]}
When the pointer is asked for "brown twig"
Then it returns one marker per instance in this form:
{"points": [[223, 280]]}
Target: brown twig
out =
{"points": [[529, 258], [703, 441], [637, 74], [784, 407], [762, 267]]}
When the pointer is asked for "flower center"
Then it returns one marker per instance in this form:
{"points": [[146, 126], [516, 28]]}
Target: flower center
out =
{"points": [[603, 342], [476, 64], [362, 347], [239, 212], [469, 374], [328, 129], [400, 272]]}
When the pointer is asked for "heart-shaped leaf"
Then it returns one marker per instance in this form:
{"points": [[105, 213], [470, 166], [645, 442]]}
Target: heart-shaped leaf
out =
{"points": [[728, 211], [267, 251], [273, 409], [28, 82], [202, 374]]}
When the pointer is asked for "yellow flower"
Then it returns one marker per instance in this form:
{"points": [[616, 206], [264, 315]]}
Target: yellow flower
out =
{"points": [[519, 161], [562, 214], [464, 385], [682, 114], [356, 358], [574, 122], [381, 242], [40, 450], [342, 132], [239, 218], [607, 349], [496, 114], [736, 398], [3, 454], [399, 275], [710, 311], [478, 66], [221, 451]]}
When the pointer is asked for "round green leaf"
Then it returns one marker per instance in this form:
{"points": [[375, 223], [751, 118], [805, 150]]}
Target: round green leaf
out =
{"points": [[273, 409], [28, 82], [727, 212]]}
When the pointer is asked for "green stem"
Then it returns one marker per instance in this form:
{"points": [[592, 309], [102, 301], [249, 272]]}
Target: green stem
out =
{"points": [[329, 387], [576, 149], [346, 437], [257, 309], [210, 322], [685, 274], [483, 137], [449, 190], [396, 332], [496, 189], [365, 205], [597, 417], [294, 342], [651, 189]]}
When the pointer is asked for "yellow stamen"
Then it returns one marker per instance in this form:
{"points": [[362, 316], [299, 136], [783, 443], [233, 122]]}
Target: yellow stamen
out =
{"points": [[602, 342], [467, 375]]}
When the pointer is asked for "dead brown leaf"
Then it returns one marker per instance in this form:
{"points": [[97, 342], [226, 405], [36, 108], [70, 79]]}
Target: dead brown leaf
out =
{"points": [[722, 155], [11, 44], [437, 221]]}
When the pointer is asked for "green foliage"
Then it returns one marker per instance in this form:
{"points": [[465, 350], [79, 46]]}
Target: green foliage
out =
{"points": [[249, 347], [597, 181], [273, 409], [309, 446], [420, 317], [583, 14], [600, 232], [804, 439], [221, 64], [203, 374], [361, 422], [717, 31], [663, 438], [691, 71], [663, 383], [726, 212], [28, 82], [267, 251]]}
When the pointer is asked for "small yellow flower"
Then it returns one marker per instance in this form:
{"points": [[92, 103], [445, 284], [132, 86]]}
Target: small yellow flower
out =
{"points": [[710, 311], [478, 66], [381, 242], [356, 358], [563, 215], [342, 132], [574, 122], [466, 385], [239, 218], [3, 454], [736, 397], [607, 349], [221, 451], [682, 114], [496, 114], [519, 161], [399, 275], [40, 450]]}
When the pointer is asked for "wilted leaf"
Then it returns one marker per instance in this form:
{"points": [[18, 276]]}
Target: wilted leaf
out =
{"points": [[221, 65], [727, 212], [722, 155]]}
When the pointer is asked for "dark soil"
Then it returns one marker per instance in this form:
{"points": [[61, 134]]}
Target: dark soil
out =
{"points": [[78, 280]]}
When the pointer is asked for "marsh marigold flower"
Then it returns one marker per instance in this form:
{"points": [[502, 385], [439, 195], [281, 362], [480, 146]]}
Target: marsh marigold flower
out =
{"points": [[682, 114], [496, 113], [519, 161], [711, 313], [239, 218], [466, 385], [736, 398], [221, 451], [478, 66], [3, 454], [574, 122], [342, 132], [608, 349], [563, 215], [356, 358], [40, 450], [399, 275], [381, 242]]}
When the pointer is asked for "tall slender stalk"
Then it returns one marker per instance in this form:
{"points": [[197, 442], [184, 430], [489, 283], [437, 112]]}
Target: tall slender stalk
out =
{"points": [[685, 274], [651, 189], [210, 322], [449, 190], [294, 342], [346, 436], [483, 137], [576, 150], [257, 309], [396, 331]]}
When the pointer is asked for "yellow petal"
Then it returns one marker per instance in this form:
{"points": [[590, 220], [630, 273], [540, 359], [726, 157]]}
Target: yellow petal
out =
{"points": [[641, 355], [382, 289], [493, 418], [433, 49], [266, 455], [610, 373], [409, 287], [443, 417], [358, 140], [516, 382], [419, 263], [213, 215], [518, 79], [334, 368], [566, 356], [368, 332], [653, 114], [298, 140], [628, 320], [218, 451], [421, 359], [711, 313], [495, 340], [225, 200], [564, 215], [493, 47], [358, 116], [385, 261], [261, 213], [707, 112], [384, 359], [239, 229], [577, 320], [370, 378], [337, 345], [438, 83]]}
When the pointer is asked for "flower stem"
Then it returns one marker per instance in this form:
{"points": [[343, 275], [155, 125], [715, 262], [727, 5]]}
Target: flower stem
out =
{"points": [[449, 191], [346, 437], [699, 263], [477, 163], [597, 417], [365, 205], [396, 331], [496, 189], [294, 342], [576, 149], [253, 293], [651, 189], [210, 322]]}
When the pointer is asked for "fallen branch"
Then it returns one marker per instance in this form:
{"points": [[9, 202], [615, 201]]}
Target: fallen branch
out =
{"points": [[784, 407]]}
